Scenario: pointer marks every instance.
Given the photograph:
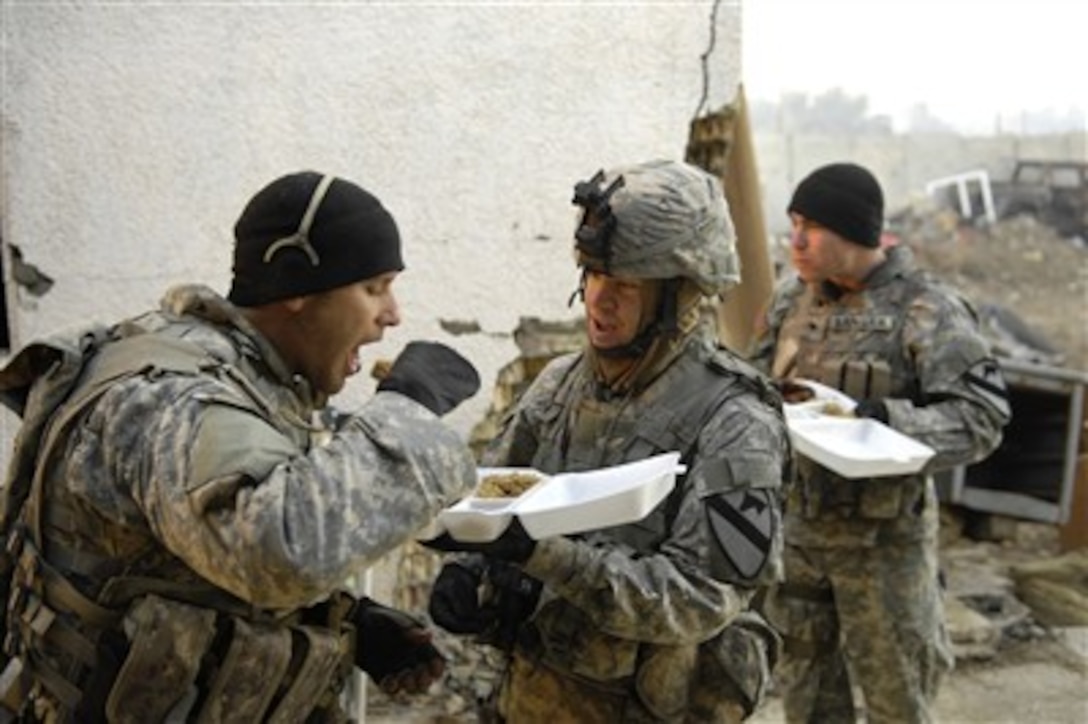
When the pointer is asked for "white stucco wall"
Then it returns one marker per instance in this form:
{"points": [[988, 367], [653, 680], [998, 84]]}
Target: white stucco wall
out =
{"points": [[133, 134]]}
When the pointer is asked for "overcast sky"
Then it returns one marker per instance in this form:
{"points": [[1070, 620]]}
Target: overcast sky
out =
{"points": [[969, 61]]}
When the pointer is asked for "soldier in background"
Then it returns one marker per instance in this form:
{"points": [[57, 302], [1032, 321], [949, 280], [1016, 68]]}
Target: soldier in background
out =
{"points": [[861, 603], [649, 621], [178, 542]]}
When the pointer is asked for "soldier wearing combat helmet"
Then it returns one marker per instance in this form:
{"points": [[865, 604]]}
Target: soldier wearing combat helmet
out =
{"points": [[648, 621]]}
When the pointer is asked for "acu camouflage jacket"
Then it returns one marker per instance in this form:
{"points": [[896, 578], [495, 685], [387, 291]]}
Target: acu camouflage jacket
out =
{"points": [[189, 469], [906, 339]]}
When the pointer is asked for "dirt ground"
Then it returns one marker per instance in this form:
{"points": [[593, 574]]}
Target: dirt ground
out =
{"points": [[1041, 682]]}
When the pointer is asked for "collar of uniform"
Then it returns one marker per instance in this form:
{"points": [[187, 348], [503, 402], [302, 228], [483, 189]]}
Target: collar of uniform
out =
{"points": [[898, 259], [699, 330], [201, 301]]}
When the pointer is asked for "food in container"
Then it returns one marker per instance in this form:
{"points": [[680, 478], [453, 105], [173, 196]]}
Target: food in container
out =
{"points": [[507, 484]]}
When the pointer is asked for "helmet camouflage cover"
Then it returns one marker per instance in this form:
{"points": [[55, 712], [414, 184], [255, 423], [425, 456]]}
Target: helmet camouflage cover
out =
{"points": [[658, 220]]}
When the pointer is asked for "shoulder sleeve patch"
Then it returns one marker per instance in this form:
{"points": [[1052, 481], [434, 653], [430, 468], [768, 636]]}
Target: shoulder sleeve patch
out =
{"points": [[986, 381], [742, 525]]}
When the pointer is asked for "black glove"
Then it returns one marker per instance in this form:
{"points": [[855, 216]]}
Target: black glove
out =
{"points": [[513, 545], [516, 595], [455, 600], [875, 409], [491, 600], [433, 375], [395, 649]]}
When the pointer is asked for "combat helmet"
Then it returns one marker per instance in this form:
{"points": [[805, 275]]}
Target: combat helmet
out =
{"points": [[658, 220]]}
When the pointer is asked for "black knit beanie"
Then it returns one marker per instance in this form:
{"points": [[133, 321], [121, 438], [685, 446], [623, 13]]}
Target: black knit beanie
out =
{"points": [[306, 233], [845, 198]]}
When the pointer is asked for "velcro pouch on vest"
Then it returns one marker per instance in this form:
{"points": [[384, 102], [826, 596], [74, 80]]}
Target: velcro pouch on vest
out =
{"points": [[289, 670], [885, 498], [250, 674], [881, 498], [314, 678], [572, 644], [664, 679], [745, 653], [823, 492], [167, 640]]}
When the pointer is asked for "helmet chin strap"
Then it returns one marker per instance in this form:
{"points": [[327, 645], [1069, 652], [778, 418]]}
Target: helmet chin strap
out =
{"points": [[664, 324]]}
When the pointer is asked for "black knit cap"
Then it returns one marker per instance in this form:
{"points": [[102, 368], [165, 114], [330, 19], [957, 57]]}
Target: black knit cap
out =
{"points": [[306, 233], [845, 198]]}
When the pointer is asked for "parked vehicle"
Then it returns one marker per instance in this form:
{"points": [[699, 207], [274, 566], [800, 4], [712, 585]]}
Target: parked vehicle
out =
{"points": [[1054, 192]]}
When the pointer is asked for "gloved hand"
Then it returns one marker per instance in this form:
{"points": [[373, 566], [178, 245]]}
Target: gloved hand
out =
{"points": [[455, 600], [513, 545], [876, 409], [395, 649], [432, 374], [491, 600], [516, 596]]}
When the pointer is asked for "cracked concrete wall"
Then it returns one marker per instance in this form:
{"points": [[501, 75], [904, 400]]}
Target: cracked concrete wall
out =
{"points": [[134, 133]]}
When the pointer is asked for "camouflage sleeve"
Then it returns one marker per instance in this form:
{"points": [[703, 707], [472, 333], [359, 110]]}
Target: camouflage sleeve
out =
{"points": [[700, 577], [962, 404], [249, 510]]}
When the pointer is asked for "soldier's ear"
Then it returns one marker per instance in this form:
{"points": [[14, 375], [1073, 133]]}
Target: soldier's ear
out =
{"points": [[294, 304]]}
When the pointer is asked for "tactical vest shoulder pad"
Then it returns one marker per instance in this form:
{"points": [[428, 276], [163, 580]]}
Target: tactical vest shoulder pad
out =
{"points": [[60, 357], [50, 383], [726, 362]]}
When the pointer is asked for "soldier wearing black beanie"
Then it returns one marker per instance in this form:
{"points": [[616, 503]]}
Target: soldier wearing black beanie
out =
{"points": [[306, 233], [213, 413], [845, 198], [907, 352]]}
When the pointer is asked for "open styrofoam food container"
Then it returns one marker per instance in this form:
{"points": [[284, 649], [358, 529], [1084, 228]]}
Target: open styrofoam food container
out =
{"points": [[823, 399], [566, 503], [858, 447]]}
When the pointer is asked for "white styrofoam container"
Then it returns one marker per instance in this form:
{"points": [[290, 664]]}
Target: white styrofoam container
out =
{"points": [[476, 520], [567, 502], [858, 448]]}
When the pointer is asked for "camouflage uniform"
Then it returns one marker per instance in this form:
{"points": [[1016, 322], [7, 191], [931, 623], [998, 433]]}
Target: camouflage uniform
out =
{"points": [[651, 621], [862, 602], [183, 515]]}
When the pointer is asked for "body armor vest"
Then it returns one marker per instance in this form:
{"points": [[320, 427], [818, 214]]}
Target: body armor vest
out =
{"points": [[98, 611], [667, 417], [854, 344], [588, 432]]}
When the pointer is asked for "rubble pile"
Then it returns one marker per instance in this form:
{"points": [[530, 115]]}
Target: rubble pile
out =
{"points": [[993, 577], [1056, 589], [1029, 284]]}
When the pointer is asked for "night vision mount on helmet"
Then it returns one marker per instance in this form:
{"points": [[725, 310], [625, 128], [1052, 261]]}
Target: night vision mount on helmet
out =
{"points": [[658, 220]]}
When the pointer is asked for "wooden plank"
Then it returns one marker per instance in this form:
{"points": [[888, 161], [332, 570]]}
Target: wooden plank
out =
{"points": [[721, 143]]}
